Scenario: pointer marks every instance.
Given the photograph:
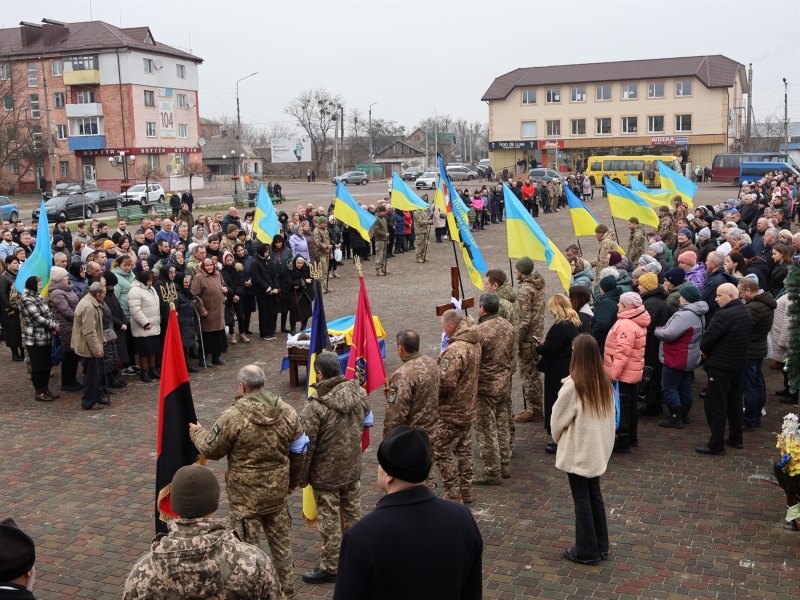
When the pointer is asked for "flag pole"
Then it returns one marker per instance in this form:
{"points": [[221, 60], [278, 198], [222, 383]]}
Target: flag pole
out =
{"points": [[577, 239], [460, 282], [511, 271]]}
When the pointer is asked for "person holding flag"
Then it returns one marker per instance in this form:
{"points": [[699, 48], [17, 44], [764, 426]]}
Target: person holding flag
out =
{"points": [[38, 326]]}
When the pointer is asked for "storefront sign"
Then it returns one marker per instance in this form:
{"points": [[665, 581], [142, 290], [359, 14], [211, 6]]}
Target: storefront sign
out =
{"points": [[662, 141], [682, 141], [551, 144], [116, 151], [513, 145]]}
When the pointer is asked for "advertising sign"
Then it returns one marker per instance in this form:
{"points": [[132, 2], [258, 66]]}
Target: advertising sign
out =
{"points": [[166, 112], [291, 150], [551, 144], [512, 145]]}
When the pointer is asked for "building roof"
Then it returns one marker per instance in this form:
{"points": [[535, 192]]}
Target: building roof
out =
{"points": [[88, 37], [714, 71], [444, 138], [206, 121], [223, 144], [414, 147]]}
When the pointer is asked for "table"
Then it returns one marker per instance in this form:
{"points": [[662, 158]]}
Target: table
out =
{"points": [[299, 357]]}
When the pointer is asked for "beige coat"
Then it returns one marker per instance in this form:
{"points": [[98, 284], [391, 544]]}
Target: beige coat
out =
{"points": [[145, 308], [584, 441], [87, 328]]}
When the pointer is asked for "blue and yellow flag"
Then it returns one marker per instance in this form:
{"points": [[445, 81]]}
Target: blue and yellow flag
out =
{"points": [[654, 197], [265, 222], [350, 213], [526, 238], [625, 204], [403, 197], [677, 183], [320, 342], [40, 261], [583, 220]]}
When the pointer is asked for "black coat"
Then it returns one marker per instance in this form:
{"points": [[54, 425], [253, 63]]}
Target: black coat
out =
{"points": [[263, 274], [186, 317], [709, 293], [413, 545], [655, 303], [118, 319], [727, 339], [557, 353], [301, 294], [778, 276], [762, 311], [605, 315], [704, 249], [760, 269]]}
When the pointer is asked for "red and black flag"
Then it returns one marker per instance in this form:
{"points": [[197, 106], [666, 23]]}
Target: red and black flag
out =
{"points": [[175, 411]]}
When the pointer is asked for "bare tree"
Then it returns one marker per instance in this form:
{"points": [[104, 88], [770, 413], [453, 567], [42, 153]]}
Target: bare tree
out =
{"points": [[316, 112], [256, 136], [767, 134], [149, 173], [194, 169]]}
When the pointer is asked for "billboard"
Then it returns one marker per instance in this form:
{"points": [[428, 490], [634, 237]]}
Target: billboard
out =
{"points": [[291, 150], [166, 112]]}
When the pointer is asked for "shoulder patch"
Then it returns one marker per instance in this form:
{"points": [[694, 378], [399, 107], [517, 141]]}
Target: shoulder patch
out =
{"points": [[212, 435], [445, 364], [392, 397]]}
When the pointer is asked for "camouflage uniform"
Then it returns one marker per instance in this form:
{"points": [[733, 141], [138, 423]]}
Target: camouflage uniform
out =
{"points": [[255, 435], [333, 419], [379, 231], [530, 298], [413, 399], [458, 389], [509, 310], [421, 231], [637, 243], [322, 251], [496, 337], [666, 230], [608, 243], [199, 558]]}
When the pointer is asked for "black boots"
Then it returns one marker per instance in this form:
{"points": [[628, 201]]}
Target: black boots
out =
{"points": [[154, 373], [144, 376], [674, 420], [17, 355], [685, 408]]}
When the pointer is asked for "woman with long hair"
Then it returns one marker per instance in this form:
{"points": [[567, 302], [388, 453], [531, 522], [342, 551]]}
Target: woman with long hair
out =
{"points": [[267, 289], [583, 427], [735, 265], [301, 292], [556, 353], [280, 257], [783, 260], [124, 248], [580, 300]]}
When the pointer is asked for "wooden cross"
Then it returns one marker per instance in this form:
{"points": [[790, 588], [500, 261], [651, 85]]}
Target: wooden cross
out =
{"points": [[465, 303]]}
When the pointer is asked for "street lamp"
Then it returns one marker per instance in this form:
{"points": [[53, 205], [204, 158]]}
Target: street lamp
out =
{"points": [[238, 114], [371, 149], [123, 159], [235, 177]]}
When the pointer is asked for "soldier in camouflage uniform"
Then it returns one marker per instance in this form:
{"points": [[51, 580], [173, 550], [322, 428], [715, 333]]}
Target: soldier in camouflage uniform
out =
{"points": [[380, 234], [264, 442], [666, 227], [412, 397], [608, 243], [530, 299], [458, 389], [199, 557], [638, 240], [334, 418], [496, 338], [422, 221], [322, 249]]}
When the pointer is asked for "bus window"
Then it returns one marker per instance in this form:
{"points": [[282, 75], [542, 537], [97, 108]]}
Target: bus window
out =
{"points": [[635, 165], [614, 165], [597, 166]]}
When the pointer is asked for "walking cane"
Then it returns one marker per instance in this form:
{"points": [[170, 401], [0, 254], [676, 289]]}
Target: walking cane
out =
{"points": [[200, 327]]}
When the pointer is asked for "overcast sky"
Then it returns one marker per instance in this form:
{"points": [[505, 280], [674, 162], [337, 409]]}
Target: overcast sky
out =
{"points": [[416, 57]]}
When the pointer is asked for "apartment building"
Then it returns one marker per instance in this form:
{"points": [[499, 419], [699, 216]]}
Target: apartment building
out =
{"points": [[102, 92], [690, 107]]}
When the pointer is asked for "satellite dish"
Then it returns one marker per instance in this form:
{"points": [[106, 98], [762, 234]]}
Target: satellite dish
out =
{"points": [[202, 142], [158, 64], [191, 103]]}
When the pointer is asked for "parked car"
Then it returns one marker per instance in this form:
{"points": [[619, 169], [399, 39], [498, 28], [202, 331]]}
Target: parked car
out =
{"points": [[9, 209], [412, 174], [356, 177], [459, 173], [546, 174], [146, 194], [105, 199], [429, 179], [61, 188], [75, 206], [78, 188]]}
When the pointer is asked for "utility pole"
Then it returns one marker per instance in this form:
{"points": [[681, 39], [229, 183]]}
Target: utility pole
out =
{"points": [[786, 114], [335, 146], [749, 104], [436, 135], [371, 147], [50, 149], [239, 120], [341, 141]]}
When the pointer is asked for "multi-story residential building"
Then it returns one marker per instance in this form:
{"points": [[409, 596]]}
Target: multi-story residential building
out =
{"points": [[103, 92], [688, 107]]}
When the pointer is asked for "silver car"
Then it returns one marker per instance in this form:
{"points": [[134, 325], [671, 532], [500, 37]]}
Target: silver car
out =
{"points": [[356, 177], [461, 173]]}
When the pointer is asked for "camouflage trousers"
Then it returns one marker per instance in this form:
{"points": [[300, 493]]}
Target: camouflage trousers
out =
{"points": [[323, 263], [380, 255], [337, 511], [420, 242], [277, 529], [491, 429], [532, 386], [449, 440]]}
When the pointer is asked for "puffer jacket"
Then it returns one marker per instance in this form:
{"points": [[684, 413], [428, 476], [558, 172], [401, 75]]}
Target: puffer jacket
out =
{"points": [[123, 288], [584, 278], [780, 329], [680, 337], [697, 276], [624, 348], [762, 311], [64, 302], [144, 308]]}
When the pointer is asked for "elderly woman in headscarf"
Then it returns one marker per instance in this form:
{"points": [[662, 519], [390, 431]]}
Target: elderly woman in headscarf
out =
{"points": [[298, 243], [38, 326], [210, 293], [64, 300], [199, 235]]}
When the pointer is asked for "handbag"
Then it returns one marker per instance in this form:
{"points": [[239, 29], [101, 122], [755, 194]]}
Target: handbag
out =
{"points": [[337, 254], [109, 335], [541, 364], [56, 350], [615, 385]]}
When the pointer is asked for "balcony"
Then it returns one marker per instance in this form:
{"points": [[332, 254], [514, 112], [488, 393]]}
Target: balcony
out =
{"points": [[82, 77], [87, 142], [91, 109]]}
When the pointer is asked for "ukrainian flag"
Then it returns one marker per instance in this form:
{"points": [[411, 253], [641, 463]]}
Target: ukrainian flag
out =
{"points": [[403, 197], [625, 204], [677, 183], [351, 214], [654, 197], [526, 238], [40, 261], [265, 223], [583, 220]]}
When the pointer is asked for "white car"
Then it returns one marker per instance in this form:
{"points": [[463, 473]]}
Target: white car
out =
{"points": [[428, 180], [139, 195]]}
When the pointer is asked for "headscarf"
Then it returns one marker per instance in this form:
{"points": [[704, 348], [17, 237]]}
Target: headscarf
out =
{"points": [[32, 284]]}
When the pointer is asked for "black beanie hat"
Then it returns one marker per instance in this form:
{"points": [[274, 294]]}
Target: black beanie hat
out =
{"points": [[110, 278], [406, 454], [194, 492], [17, 551]]}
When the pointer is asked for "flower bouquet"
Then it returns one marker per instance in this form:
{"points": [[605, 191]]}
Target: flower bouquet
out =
{"points": [[787, 469]]}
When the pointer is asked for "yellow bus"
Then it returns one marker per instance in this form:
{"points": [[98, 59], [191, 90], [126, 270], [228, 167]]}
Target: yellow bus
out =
{"points": [[617, 168]]}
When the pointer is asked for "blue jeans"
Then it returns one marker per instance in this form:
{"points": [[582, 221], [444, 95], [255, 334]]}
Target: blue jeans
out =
{"points": [[677, 387], [755, 392]]}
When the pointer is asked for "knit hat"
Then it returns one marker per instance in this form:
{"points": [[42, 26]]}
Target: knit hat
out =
{"points": [[614, 257], [58, 238], [638, 272], [704, 232], [406, 454], [232, 228], [194, 492], [524, 265], [675, 276], [630, 300], [601, 228], [648, 281], [663, 209], [747, 251], [689, 257], [57, 273], [657, 247], [192, 246], [646, 259], [17, 551], [108, 244], [685, 231], [608, 283], [634, 220], [143, 249], [110, 278], [653, 267], [690, 293]]}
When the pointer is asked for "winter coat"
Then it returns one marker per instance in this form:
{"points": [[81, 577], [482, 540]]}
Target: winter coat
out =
{"points": [[709, 292], [623, 356], [760, 268], [697, 275], [301, 294], [77, 284], [586, 315], [64, 302], [762, 311], [674, 298], [778, 277], [726, 340], [118, 319], [458, 384], [186, 317], [605, 315], [680, 337], [299, 246], [687, 247], [87, 333], [209, 299], [144, 308], [439, 218], [584, 278], [263, 275], [663, 260], [704, 249], [655, 302], [246, 273], [556, 351], [780, 329], [494, 203], [123, 288]]}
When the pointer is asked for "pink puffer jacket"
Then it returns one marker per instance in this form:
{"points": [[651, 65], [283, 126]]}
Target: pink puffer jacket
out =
{"points": [[624, 349]]}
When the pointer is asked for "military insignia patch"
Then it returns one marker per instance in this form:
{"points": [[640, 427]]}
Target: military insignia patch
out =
{"points": [[212, 435], [392, 397], [445, 364]]}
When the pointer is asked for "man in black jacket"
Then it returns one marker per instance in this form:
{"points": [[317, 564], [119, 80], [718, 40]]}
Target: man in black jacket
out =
{"points": [[413, 545], [724, 346], [762, 307], [715, 277]]}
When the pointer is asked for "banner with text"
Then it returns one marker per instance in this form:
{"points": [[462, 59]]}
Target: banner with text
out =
{"points": [[166, 112], [291, 150]]}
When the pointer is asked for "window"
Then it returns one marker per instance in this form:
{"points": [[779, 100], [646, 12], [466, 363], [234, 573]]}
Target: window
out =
{"points": [[151, 128], [655, 90], [58, 68], [683, 88], [655, 124], [630, 91], [37, 137], [529, 96], [5, 71], [182, 159], [148, 65], [578, 126], [553, 96], [183, 130], [603, 93], [34, 98], [64, 168], [86, 97], [180, 71], [553, 128], [86, 126], [149, 98], [603, 126], [59, 99], [33, 78], [182, 101], [683, 122], [8, 102], [83, 63], [152, 160], [61, 132], [578, 94], [630, 124], [529, 129]]}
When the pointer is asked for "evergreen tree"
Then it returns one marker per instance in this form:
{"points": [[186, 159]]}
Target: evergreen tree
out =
{"points": [[793, 310]]}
